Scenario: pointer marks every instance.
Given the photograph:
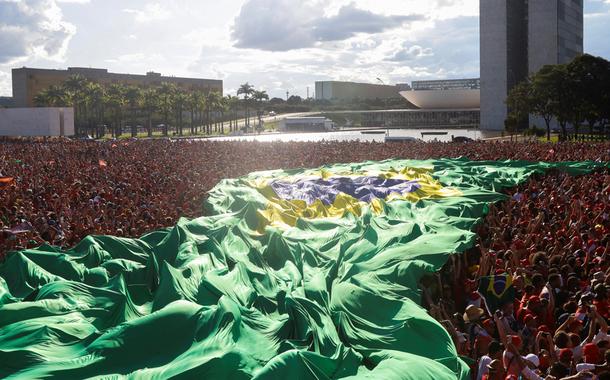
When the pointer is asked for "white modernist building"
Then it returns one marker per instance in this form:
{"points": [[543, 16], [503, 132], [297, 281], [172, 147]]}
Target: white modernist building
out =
{"points": [[306, 124], [444, 99], [34, 122], [445, 94]]}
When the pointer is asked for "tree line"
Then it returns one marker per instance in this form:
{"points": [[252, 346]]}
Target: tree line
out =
{"points": [[100, 108], [574, 95]]}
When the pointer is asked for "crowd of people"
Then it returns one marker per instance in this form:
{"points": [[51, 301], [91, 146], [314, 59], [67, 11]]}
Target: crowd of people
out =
{"points": [[548, 247], [552, 238]]}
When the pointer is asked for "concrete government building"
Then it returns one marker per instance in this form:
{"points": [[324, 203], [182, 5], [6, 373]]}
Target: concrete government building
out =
{"points": [[446, 103], [28, 82], [518, 37]]}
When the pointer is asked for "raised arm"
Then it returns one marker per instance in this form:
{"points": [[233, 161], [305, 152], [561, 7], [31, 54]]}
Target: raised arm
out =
{"points": [[501, 331], [564, 326]]}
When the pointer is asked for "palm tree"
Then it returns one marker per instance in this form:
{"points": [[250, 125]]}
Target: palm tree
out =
{"points": [[54, 96], [194, 102], [203, 106], [150, 102], [246, 90], [116, 101], [179, 101], [92, 105], [259, 97], [222, 108], [96, 97], [166, 93], [212, 100], [231, 102], [75, 86], [133, 96], [42, 99]]}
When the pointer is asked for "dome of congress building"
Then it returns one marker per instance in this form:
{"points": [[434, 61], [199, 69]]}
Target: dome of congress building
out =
{"points": [[444, 99]]}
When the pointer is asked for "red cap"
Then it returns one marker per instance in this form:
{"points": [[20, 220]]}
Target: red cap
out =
{"points": [[516, 340], [565, 354], [591, 353]]}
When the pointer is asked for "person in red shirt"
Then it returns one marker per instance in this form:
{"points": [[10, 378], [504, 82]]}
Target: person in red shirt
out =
{"points": [[601, 300], [495, 371], [534, 308]]}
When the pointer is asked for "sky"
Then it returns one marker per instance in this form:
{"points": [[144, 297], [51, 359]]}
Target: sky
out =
{"points": [[276, 45]]}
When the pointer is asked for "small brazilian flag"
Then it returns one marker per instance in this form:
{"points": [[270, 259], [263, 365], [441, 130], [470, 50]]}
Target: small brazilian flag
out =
{"points": [[497, 290]]}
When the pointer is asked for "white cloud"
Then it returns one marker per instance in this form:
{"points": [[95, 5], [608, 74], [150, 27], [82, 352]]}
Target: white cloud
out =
{"points": [[33, 29], [196, 38], [410, 53], [5, 83], [151, 12], [282, 25]]}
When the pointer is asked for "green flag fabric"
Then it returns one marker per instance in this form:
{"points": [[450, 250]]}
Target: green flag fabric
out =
{"points": [[302, 274]]}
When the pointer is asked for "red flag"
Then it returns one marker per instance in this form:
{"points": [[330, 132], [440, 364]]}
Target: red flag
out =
{"points": [[103, 164]]}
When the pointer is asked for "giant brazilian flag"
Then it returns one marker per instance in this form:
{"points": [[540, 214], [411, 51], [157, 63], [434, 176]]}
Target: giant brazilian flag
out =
{"points": [[303, 274]]}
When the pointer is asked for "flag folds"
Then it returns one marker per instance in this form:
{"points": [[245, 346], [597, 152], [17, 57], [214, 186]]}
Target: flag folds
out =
{"points": [[309, 274]]}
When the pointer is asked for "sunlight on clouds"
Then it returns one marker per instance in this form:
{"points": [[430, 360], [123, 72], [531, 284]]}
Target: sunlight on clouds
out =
{"points": [[151, 12], [286, 44], [435, 9], [5, 83], [33, 30]]}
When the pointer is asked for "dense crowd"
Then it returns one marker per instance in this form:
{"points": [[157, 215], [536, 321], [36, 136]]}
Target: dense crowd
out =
{"points": [[552, 237], [552, 240]]}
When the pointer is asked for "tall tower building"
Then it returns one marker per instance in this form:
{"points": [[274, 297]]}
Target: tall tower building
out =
{"points": [[518, 37]]}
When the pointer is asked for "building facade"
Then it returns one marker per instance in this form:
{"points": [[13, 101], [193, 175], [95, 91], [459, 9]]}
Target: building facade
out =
{"points": [[446, 84], [28, 82], [518, 37], [333, 90], [425, 118], [556, 39], [445, 94], [306, 124]]}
